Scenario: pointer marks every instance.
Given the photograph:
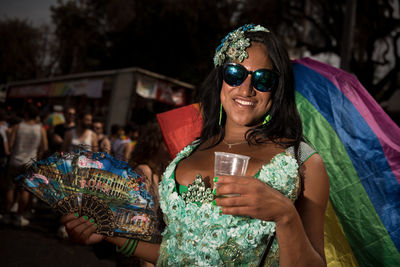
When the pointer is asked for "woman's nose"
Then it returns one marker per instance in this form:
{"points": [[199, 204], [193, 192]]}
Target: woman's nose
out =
{"points": [[246, 88]]}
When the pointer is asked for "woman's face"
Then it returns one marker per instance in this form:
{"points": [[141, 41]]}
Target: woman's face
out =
{"points": [[87, 121], [244, 105], [98, 127]]}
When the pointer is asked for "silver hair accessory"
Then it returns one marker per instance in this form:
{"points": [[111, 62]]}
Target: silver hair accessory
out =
{"points": [[234, 45]]}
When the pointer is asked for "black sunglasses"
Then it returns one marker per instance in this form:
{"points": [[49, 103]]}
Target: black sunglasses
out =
{"points": [[262, 79]]}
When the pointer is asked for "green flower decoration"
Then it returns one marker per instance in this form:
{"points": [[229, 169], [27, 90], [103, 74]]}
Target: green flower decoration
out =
{"points": [[234, 45]]}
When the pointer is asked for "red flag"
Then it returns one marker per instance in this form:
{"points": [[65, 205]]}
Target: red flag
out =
{"points": [[180, 127]]}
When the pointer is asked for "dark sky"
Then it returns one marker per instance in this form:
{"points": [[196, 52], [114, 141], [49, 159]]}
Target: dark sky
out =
{"points": [[36, 11]]}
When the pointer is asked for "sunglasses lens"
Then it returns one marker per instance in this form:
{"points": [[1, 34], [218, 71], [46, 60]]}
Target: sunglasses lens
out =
{"points": [[234, 75], [263, 80]]}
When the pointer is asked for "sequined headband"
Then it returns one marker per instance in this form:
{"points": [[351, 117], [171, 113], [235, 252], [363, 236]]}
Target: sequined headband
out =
{"points": [[234, 45]]}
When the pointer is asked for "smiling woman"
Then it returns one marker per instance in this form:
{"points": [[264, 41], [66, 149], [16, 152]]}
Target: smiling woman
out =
{"points": [[276, 213]]}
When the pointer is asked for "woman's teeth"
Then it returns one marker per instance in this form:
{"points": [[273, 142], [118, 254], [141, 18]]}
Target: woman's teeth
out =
{"points": [[244, 103]]}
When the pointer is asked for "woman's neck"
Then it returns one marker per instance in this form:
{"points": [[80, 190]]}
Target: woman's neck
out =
{"points": [[235, 133]]}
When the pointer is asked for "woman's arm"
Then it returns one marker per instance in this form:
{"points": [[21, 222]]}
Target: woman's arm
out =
{"points": [[144, 250], [67, 141], [106, 145], [44, 146], [127, 151], [300, 231], [5, 141], [12, 138], [95, 144]]}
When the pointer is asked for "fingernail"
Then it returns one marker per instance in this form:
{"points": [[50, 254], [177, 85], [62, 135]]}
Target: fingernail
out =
{"points": [[215, 191], [214, 203], [76, 214], [91, 220], [85, 218], [220, 212], [95, 224], [215, 179]]}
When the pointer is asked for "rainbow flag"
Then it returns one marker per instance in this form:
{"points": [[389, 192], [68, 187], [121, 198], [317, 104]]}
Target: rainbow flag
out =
{"points": [[360, 146]]}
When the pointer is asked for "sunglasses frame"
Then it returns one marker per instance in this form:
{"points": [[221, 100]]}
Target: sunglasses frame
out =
{"points": [[240, 66]]}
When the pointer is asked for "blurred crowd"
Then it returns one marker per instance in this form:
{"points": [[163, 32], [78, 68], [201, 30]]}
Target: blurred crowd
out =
{"points": [[33, 135]]}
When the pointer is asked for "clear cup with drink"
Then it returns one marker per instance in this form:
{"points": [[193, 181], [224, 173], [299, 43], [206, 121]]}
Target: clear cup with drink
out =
{"points": [[230, 164]]}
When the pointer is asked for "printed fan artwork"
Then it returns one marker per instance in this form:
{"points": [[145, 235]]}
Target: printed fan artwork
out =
{"points": [[96, 185]]}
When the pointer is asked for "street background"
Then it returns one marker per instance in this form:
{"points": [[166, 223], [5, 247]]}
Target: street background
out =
{"points": [[38, 245]]}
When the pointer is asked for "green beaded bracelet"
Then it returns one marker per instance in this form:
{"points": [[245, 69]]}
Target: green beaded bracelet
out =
{"points": [[119, 249], [133, 248], [128, 248]]}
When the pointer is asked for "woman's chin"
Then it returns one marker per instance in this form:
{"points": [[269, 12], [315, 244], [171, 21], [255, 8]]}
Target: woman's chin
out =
{"points": [[248, 123], [254, 123]]}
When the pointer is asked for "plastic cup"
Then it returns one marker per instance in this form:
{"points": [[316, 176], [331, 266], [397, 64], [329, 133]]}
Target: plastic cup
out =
{"points": [[230, 164]]}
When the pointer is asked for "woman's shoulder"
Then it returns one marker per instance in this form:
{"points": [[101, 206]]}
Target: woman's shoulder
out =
{"points": [[145, 169], [305, 151]]}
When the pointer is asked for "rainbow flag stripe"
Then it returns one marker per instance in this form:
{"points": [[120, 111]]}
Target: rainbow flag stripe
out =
{"points": [[358, 143]]}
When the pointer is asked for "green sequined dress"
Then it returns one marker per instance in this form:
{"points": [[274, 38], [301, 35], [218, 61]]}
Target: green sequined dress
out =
{"points": [[196, 234]]}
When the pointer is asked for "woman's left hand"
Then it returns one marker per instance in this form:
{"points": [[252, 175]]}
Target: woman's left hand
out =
{"points": [[256, 199]]}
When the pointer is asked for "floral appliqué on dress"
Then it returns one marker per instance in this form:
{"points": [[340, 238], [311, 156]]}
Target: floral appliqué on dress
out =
{"points": [[198, 235]]}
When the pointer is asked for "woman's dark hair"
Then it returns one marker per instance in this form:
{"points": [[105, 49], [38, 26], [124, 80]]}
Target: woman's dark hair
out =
{"points": [[31, 112], [3, 114], [148, 147], [285, 126], [115, 128]]}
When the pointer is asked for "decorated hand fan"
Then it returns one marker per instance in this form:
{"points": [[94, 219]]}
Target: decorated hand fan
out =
{"points": [[96, 185]]}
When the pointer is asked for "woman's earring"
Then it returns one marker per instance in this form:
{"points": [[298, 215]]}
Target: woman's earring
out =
{"points": [[220, 115], [267, 119]]}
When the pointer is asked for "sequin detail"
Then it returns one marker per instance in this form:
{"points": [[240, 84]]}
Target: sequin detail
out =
{"points": [[234, 45], [198, 192]]}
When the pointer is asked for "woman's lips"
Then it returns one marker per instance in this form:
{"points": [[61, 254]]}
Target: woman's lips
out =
{"points": [[243, 102]]}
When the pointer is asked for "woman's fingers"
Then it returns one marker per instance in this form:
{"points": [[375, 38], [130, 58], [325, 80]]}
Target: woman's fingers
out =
{"points": [[66, 218], [243, 206], [242, 211], [230, 201], [241, 185], [87, 233], [72, 224], [80, 229], [233, 179]]}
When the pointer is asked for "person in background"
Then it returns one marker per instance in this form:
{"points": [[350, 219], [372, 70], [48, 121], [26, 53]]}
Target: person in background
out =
{"points": [[28, 141], [4, 147], [61, 129], [103, 142], [4, 154], [132, 132], [81, 136], [114, 133], [150, 153], [120, 144]]}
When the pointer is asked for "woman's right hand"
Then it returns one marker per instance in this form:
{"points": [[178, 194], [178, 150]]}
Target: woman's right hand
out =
{"points": [[81, 229]]}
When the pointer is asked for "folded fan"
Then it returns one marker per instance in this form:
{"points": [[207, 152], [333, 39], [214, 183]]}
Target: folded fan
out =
{"points": [[96, 185]]}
